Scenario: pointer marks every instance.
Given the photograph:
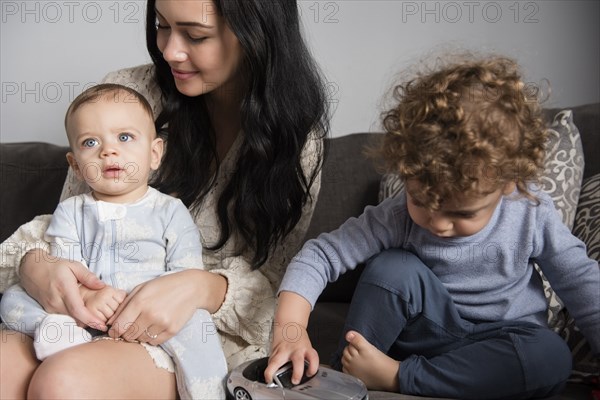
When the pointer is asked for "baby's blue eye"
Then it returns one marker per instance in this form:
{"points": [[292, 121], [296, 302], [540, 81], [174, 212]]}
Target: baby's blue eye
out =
{"points": [[89, 143], [125, 137]]}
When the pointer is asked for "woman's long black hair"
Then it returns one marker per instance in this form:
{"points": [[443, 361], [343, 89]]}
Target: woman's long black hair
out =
{"points": [[285, 100]]}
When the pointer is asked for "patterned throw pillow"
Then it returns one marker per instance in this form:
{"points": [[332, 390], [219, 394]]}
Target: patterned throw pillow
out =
{"points": [[587, 219], [587, 228], [390, 186], [564, 165], [562, 181]]}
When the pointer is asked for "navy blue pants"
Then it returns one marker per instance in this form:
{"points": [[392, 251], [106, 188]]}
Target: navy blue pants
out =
{"points": [[403, 309]]}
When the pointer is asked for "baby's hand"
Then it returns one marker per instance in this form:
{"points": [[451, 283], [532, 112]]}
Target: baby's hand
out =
{"points": [[103, 302]]}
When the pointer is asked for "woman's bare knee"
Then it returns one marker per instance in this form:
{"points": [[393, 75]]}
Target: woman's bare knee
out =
{"points": [[103, 369], [54, 379], [18, 363]]}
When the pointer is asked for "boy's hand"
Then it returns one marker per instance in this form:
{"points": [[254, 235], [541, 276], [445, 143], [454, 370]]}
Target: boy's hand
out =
{"points": [[103, 302], [291, 343], [290, 338]]}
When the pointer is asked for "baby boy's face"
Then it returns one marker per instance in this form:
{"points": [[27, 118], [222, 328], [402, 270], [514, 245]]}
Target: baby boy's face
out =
{"points": [[458, 217], [114, 147]]}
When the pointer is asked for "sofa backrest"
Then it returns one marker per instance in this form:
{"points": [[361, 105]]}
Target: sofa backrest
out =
{"points": [[32, 175], [31, 180], [349, 182]]}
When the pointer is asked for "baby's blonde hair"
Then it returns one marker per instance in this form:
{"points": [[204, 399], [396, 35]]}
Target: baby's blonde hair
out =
{"points": [[104, 90]]}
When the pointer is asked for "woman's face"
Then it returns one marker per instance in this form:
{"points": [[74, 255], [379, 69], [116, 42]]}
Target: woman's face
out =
{"points": [[203, 53]]}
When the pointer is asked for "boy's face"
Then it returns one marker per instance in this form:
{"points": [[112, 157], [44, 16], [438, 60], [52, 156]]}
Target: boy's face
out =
{"points": [[114, 147], [458, 217]]}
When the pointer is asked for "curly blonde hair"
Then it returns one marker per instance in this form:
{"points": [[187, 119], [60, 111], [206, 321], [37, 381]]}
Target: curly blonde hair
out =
{"points": [[467, 128]]}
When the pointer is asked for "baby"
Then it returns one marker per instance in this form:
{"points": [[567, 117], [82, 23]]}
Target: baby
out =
{"points": [[125, 232]]}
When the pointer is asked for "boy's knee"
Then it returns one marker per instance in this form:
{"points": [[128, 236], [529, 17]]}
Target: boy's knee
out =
{"points": [[396, 267]]}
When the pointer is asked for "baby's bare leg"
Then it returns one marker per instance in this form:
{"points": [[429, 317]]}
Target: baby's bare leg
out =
{"points": [[363, 360]]}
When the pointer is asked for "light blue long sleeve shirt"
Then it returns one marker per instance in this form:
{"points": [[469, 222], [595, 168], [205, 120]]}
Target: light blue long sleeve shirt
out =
{"points": [[126, 244], [490, 275]]}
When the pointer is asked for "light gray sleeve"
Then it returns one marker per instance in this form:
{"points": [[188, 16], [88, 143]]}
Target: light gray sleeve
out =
{"points": [[572, 274], [330, 255]]}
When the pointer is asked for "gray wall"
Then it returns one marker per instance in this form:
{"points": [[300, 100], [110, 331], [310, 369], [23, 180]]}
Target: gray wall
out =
{"points": [[51, 50]]}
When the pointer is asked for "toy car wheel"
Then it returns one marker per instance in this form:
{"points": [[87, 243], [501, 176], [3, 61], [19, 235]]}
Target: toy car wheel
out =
{"points": [[241, 394]]}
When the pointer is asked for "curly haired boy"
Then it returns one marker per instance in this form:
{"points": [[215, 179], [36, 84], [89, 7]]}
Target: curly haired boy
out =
{"points": [[449, 304]]}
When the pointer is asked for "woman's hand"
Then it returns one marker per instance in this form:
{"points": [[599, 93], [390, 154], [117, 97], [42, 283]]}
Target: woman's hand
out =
{"points": [[54, 283], [156, 310]]}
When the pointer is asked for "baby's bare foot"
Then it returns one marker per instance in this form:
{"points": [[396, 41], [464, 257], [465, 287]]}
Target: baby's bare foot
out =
{"points": [[364, 361]]}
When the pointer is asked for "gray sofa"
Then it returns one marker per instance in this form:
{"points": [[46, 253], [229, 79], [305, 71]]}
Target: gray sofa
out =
{"points": [[31, 177]]}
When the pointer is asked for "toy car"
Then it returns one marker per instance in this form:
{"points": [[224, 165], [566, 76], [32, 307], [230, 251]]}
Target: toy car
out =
{"points": [[247, 382]]}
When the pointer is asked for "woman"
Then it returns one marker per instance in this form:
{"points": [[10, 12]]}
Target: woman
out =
{"points": [[245, 113]]}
